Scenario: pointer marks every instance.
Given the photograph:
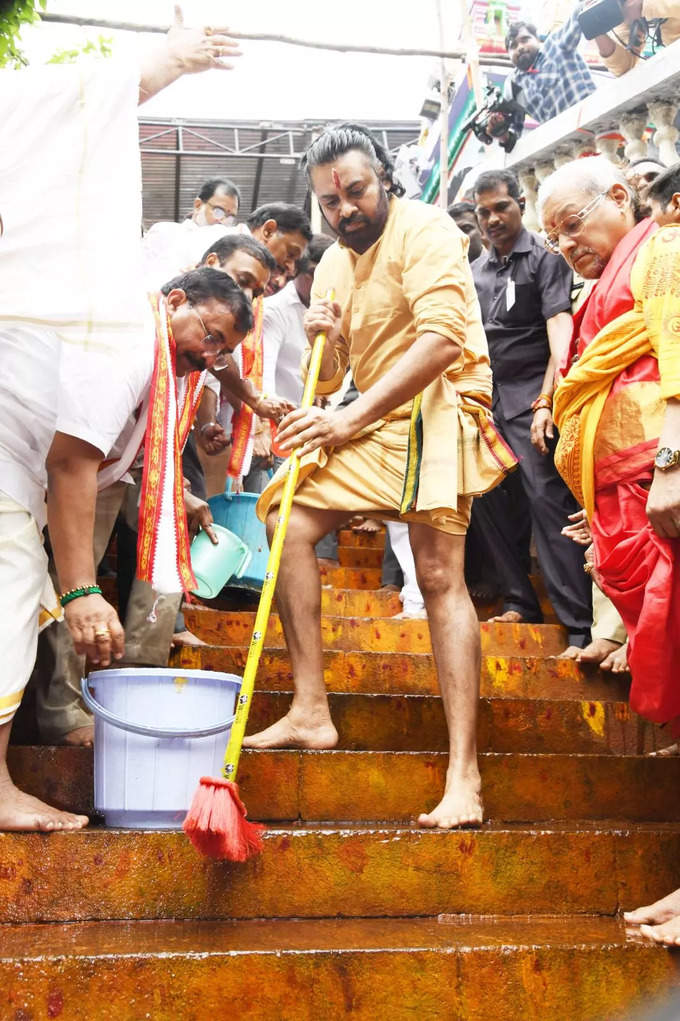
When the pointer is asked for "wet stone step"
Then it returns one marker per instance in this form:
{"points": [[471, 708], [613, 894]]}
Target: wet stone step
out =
{"points": [[416, 723], [351, 577], [359, 556], [359, 634], [312, 872], [362, 540], [335, 602], [412, 673], [471, 969], [339, 786]]}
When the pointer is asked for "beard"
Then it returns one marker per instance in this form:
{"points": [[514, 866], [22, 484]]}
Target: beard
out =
{"points": [[359, 232]]}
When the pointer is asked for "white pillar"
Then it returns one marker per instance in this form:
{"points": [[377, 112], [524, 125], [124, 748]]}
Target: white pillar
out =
{"points": [[527, 180], [543, 170], [633, 126], [609, 147], [666, 134]]}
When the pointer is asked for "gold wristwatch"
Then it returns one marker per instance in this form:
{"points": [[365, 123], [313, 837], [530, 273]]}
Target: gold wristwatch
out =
{"points": [[666, 458]]}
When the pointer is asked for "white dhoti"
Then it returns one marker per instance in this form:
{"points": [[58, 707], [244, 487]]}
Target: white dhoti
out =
{"points": [[27, 601]]}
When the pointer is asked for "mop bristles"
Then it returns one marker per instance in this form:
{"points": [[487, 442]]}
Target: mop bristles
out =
{"points": [[216, 822]]}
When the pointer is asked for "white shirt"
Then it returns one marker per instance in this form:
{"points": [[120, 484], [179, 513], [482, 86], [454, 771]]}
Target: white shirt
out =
{"points": [[172, 248], [47, 385], [283, 342], [74, 352]]}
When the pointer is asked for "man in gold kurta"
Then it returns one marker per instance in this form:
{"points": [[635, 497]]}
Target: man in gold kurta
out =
{"points": [[416, 445]]}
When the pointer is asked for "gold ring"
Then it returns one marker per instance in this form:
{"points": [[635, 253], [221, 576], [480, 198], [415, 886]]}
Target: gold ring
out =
{"points": [[102, 632], [588, 568]]}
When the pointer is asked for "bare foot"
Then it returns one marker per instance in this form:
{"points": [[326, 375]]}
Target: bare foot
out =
{"points": [[460, 807], [366, 525], [598, 651], [667, 752], [657, 913], [571, 652], [292, 731], [509, 617], [667, 934], [617, 661], [420, 614], [81, 736], [19, 811], [327, 564], [389, 588], [186, 638]]}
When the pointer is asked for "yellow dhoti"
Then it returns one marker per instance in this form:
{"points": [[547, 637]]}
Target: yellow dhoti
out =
{"points": [[27, 601], [429, 458], [365, 476]]}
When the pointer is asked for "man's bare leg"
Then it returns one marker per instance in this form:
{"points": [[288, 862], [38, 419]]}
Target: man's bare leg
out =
{"points": [[454, 630], [307, 724], [19, 811]]}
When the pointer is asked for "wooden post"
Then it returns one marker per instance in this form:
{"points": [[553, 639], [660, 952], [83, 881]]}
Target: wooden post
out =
{"points": [[443, 117]]}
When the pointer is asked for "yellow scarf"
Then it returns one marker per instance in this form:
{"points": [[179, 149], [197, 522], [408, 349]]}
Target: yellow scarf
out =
{"points": [[580, 398]]}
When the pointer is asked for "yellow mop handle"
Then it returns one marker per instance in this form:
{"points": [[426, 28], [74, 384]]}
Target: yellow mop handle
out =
{"points": [[245, 697]]}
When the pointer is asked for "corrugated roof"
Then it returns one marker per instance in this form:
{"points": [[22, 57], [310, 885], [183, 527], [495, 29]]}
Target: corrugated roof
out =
{"points": [[262, 159]]}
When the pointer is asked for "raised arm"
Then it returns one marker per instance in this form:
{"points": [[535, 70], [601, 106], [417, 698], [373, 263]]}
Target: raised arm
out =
{"points": [[185, 51]]}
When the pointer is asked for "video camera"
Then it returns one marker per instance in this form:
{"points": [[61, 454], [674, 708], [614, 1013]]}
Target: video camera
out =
{"points": [[499, 120], [597, 17]]}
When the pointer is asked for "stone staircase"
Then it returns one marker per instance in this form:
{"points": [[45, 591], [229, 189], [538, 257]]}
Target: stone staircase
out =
{"points": [[351, 911]]}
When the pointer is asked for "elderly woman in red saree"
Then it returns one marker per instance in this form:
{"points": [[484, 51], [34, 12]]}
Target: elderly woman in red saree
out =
{"points": [[618, 411]]}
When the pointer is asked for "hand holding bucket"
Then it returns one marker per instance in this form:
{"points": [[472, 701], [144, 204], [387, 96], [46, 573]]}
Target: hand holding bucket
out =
{"points": [[216, 823]]}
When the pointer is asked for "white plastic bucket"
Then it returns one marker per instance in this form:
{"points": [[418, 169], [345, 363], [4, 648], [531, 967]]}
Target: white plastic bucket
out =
{"points": [[156, 733]]}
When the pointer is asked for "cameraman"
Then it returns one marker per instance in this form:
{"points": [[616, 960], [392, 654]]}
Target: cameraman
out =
{"points": [[621, 49], [549, 77]]}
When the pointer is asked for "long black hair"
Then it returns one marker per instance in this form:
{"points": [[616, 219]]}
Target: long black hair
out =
{"points": [[342, 138]]}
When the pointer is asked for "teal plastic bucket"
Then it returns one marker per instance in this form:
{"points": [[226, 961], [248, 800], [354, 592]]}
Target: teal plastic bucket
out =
{"points": [[212, 565], [157, 731], [236, 511]]}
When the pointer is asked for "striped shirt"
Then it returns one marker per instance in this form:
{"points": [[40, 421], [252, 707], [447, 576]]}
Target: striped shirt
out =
{"points": [[559, 77]]}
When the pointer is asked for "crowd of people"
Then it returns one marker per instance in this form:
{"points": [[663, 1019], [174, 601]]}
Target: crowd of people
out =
{"points": [[139, 379]]}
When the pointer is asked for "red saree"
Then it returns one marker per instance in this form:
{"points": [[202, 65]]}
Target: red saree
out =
{"points": [[640, 571]]}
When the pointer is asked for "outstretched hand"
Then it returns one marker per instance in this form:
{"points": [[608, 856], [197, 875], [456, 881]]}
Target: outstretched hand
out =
{"points": [[95, 629], [273, 407], [579, 530], [199, 49]]}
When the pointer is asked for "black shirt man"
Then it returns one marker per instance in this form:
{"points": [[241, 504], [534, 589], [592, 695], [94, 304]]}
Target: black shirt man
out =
{"points": [[524, 294]]}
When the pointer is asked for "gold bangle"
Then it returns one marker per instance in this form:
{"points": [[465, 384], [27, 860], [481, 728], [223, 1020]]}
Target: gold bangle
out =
{"points": [[543, 401]]}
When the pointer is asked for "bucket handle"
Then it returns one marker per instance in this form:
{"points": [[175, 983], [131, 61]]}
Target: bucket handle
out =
{"points": [[139, 728]]}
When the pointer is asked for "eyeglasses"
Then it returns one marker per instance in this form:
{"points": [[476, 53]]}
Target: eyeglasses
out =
{"points": [[222, 357], [571, 225], [222, 215]]}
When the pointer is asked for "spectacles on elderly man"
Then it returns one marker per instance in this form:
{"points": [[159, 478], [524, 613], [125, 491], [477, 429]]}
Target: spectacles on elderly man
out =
{"points": [[570, 226], [222, 356], [222, 215]]}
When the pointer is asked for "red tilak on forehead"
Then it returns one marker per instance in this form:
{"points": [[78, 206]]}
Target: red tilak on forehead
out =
{"points": [[336, 179]]}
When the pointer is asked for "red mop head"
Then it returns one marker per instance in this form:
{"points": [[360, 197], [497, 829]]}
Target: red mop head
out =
{"points": [[216, 822]]}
